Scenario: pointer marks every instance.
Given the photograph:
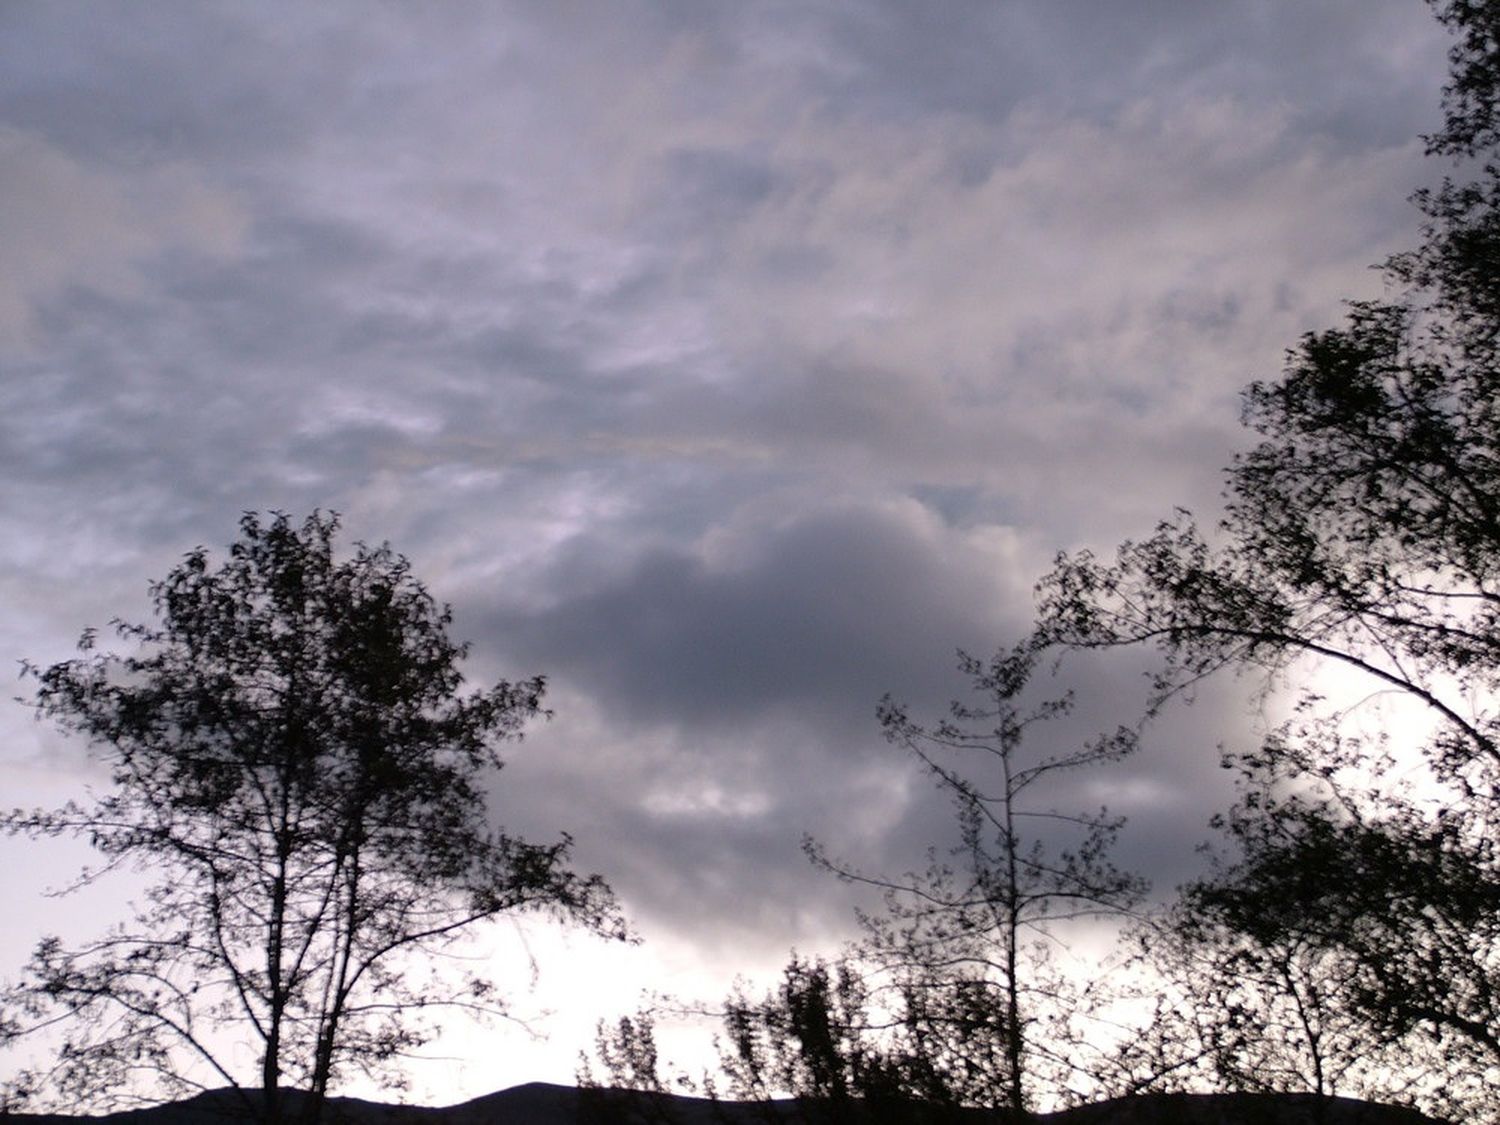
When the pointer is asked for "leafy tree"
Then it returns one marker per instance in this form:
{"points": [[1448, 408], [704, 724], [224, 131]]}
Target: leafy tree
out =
{"points": [[1373, 938], [1271, 1017], [812, 1037], [290, 747], [1254, 1006], [635, 1090], [1363, 529], [1285, 969], [814, 1048]]}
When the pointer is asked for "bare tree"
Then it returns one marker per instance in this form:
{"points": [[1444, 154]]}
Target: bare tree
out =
{"points": [[965, 943]]}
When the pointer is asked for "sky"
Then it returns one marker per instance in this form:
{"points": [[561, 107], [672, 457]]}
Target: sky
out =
{"points": [[732, 364]]}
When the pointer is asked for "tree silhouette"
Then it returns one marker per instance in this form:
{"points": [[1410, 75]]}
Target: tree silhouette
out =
{"points": [[1254, 1005], [964, 944], [1364, 530], [635, 1092], [290, 748], [951, 1002], [1376, 938], [814, 1048], [814, 1036]]}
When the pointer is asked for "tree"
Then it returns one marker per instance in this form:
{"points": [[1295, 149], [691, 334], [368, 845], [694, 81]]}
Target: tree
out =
{"points": [[636, 1092], [816, 1037], [1271, 1017], [290, 748], [964, 945], [951, 1001], [1333, 955], [1362, 529], [1261, 1001], [814, 1048]]}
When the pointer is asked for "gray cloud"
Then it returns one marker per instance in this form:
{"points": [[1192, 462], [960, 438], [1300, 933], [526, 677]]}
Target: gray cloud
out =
{"points": [[731, 363], [826, 608]]}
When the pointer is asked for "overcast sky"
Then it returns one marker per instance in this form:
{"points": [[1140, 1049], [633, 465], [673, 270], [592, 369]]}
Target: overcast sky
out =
{"points": [[730, 363]]}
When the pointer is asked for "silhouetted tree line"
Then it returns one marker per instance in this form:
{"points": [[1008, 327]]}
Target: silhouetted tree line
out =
{"points": [[291, 748]]}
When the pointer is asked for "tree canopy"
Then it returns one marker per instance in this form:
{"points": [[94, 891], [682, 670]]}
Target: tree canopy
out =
{"points": [[1363, 529], [291, 750]]}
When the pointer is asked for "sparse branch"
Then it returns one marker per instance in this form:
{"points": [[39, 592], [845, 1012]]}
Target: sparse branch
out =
{"points": [[953, 945]]}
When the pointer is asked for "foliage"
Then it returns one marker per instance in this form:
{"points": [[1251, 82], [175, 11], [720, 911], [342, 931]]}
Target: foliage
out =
{"points": [[1383, 931], [815, 1048], [290, 748], [1255, 999], [1363, 529], [815, 1037], [1270, 1016], [1472, 96], [636, 1091]]}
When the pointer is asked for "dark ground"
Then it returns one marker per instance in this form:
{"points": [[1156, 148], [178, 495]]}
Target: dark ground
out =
{"points": [[542, 1104]]}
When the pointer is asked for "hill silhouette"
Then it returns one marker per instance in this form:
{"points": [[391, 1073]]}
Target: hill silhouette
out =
{"points": [[540, 1103]]}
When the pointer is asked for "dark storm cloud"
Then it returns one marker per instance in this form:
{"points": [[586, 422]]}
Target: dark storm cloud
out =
{"points": [[829, 608], [750, 681], [700, 826]]}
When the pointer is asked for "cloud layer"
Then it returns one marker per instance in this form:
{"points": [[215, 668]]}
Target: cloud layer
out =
{"points": [[732, 364]]}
